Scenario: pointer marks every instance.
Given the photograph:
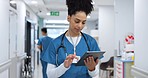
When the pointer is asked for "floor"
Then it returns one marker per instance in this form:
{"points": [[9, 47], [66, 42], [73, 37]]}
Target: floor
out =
{"points": [[38, 72]]}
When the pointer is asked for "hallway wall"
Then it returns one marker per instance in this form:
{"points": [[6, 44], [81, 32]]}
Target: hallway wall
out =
{"points": [[124, 22], [90, 25], [106, 31], [4, 29], [140, 68], [21, 11], [9, 64], [4, 40], [141, 36]]}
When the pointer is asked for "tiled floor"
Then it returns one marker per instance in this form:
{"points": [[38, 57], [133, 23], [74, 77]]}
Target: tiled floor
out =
{"points": [[38, 72]]}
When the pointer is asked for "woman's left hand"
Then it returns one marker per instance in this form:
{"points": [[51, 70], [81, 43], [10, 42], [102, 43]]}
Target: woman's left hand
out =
{"points": [[90, 63]]}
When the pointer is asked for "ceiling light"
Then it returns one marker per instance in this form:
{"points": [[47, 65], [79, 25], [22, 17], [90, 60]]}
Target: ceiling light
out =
{"points": [[13, 2], [56, 26], [48, 14], [88, 16], [57, 21], [34, 2]]}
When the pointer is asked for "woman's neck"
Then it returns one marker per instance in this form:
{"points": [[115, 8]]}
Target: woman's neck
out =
{"points": [[70, 33]]}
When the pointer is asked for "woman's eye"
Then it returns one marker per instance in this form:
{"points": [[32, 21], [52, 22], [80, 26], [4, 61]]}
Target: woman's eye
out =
{"points": [[76, 21], [83, 22]]}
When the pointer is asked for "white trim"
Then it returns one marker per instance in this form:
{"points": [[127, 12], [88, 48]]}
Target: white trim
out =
{"points": [[5, 65], [21, 56], [57, 26], [139, 73]]}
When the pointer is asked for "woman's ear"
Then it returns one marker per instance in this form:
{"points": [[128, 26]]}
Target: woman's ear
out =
{"points": [[68, 18]]}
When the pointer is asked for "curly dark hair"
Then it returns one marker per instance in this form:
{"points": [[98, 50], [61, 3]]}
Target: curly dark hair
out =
{"points": [[79, 5]]}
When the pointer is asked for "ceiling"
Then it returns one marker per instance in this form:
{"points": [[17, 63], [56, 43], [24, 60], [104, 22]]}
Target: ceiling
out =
{"points": [[42, 7]]}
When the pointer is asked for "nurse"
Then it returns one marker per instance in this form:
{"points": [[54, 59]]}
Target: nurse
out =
{"points": [[71, 45], [42, 45]]}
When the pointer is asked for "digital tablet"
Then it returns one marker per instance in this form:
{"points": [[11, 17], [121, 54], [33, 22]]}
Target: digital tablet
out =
{"points": [[95, 54]]}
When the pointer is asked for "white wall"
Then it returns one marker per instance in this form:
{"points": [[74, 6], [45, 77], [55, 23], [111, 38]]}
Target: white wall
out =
{"points": [[104, 2], [89, 26], [21, 11], [124, 21], [106, 30], [4, 30], [33, 18], [4, 74], [4, 33], [12, 34], [141, 36], [21, 24], [5, 58]]}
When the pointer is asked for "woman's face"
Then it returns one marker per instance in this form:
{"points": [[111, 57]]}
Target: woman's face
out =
{"points": [[77, 22]]}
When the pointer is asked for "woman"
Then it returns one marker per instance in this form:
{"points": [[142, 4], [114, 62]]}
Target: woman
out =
{"points": [[66, 48]]}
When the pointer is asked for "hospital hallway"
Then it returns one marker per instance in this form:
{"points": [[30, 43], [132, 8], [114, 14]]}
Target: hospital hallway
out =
{"points": [[116, 27]]}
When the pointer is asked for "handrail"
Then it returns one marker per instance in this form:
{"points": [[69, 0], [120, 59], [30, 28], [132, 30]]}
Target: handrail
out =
{"points": [[5, 65], [21, 56], [139, 72]]}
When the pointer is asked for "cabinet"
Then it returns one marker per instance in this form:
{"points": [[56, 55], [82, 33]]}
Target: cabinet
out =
{"points": [[122, 68]]}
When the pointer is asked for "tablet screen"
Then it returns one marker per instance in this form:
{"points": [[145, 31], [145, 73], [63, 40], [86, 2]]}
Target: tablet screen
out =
{"points": [[95, 54]]}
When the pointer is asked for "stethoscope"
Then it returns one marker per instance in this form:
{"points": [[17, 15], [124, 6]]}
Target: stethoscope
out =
{"points": [[62, 46]]}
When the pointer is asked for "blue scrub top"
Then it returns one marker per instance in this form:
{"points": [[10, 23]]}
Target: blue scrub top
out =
{"points": [[44, 42], [81, 48]]}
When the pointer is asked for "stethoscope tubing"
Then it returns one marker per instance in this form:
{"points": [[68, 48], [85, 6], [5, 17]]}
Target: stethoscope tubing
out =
{"points": [[62, 46]]}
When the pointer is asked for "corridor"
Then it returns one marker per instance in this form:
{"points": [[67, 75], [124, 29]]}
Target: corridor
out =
{"points": [[117, 27]]}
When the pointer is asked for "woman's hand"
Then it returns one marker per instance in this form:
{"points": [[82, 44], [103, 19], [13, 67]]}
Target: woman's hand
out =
{"points": [[90, 63], [68, 60]]}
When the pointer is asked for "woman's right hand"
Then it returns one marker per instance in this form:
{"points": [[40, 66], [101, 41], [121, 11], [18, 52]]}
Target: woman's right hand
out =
{"points": [[68, 60]]}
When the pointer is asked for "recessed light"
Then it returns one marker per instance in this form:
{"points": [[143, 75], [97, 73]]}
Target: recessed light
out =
{"points": [[12, 2], [57, 21], [48, 14], [34, 2]]}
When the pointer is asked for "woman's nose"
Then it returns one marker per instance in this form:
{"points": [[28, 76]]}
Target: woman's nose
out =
{"points": [[80, 25]]}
